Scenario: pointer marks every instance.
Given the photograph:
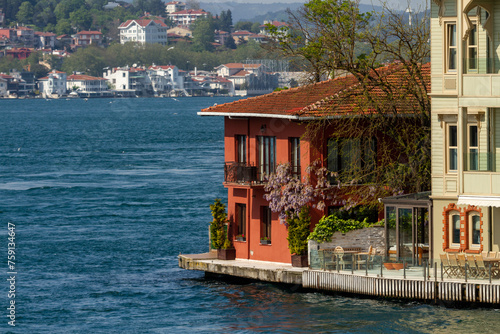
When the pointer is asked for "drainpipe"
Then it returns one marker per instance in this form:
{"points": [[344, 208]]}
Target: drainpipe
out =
{"points": [[490, 227], [249, 192], [249, 209]]}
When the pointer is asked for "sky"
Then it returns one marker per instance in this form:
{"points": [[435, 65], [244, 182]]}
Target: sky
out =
{"points": [[397, 4]]}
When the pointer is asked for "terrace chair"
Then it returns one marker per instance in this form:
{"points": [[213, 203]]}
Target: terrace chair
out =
{"points": [[473, 269], [461, 263], [371, 260], [482, 271], [360, 261], [447, 268], [484, 253], [497, 255], [339, 252], [454, 266], [330, 260]]}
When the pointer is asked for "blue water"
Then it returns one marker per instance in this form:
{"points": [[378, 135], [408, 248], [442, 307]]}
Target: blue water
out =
{"points": [[106, 193]]}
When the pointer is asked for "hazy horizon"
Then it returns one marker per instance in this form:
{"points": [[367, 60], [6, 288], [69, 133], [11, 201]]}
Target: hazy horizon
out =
{"points": [[416, 5]]}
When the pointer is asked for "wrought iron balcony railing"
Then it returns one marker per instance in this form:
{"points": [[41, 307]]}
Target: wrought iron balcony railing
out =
{"points": [[238, 172]]}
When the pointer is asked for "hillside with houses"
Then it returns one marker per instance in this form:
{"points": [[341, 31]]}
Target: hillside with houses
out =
{"points": [[139, 49]]}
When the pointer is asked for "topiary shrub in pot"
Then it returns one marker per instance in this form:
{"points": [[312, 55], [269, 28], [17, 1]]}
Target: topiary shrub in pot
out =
{"points": [[298, 231]]}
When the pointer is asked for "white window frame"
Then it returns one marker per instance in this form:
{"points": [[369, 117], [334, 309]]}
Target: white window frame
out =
{"points": [[449, 47], [471, 148], [449, 147], [454, 245], [470, 219], [473, 34]]}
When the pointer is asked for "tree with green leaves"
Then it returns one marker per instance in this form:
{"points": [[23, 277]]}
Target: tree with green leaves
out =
{"points": [[230, 43], [203, 34], [243, 25], [25, 13], [218, 234], [333, 37], [226, 20], [298, 231]]}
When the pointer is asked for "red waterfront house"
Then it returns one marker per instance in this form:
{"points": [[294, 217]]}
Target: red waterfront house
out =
{"points": [[263, 131]]}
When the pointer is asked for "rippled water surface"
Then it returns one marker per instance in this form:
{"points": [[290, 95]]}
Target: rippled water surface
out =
{"points": [[106, 193]]}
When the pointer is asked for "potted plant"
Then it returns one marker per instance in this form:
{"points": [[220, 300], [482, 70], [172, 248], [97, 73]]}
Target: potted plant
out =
{"points": [[298, 231], [265, 241], [240, 237], [227, 252], [217, 226]]}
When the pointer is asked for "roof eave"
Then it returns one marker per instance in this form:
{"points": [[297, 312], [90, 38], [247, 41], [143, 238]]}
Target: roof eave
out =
{"points": [[281, 116]]}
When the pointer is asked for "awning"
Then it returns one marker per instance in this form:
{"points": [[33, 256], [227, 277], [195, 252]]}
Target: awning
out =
{"points": [[479, 200]]}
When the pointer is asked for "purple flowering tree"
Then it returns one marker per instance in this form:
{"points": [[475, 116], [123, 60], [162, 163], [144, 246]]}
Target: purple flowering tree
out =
{"points": [[287, 193]]}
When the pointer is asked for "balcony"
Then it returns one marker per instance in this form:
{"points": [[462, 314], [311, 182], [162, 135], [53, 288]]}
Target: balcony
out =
{"points": [[237, 172], [480, 79], [481, 175]]}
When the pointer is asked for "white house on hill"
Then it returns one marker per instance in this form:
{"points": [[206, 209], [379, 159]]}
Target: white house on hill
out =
{"points": [[143, 31], [53, 85]]}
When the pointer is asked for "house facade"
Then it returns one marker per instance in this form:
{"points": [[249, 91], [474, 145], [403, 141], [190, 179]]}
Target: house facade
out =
{"points": [[3, 85], [25, 35], [165, 79], [187, 16], [264, 131], [45, 40], [53, 85], [248, 79], [465, 125], [129, 79], [86, 38], [174, 6], [86, 83], [143, 31]]}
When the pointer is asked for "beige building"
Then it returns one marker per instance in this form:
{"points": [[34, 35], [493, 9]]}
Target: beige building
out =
{"points": [[465, 76]]}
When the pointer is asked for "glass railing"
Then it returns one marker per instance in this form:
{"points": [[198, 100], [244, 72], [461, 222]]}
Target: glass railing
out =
{"points": [[474, 267], [480, 162], [479, 66]]}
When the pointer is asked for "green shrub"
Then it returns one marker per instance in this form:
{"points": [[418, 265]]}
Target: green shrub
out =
{"points": [[217, 231], [327, 226], [298, 231]]}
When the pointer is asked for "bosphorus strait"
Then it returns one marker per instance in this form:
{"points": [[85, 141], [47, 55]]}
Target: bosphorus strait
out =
{"points": [[104, 195]]}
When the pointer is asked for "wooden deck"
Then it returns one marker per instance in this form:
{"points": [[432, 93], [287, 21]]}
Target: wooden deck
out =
{"points": [[412, 288]]}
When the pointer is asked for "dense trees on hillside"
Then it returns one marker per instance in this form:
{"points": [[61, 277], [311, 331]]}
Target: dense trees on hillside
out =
{"points": [[66, 16], [92, 60]]}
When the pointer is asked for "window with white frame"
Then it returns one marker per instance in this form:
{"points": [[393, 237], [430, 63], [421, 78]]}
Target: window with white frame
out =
{"points": [[472, 60], [241, 148], [474, 230], [451, 46], [473, 148], [452, 147], [454, 230]]}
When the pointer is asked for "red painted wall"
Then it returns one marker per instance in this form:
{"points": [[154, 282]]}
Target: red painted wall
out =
{"points": [[253, 196]]}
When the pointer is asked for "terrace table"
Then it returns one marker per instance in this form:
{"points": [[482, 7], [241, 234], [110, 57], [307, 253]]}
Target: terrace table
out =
{"points": [[326, 252], [495, 262]]}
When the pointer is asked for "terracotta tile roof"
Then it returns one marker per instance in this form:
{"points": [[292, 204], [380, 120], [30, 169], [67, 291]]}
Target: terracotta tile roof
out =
{"points": [[161, 67], [333, 97], [85, 32], [5, 76], [142, 23], [276, 24], [242, 33], [221, 79], [241, 73], [45, 34], [252, 65], [233, 65], [190, 12], [83, 77]]}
